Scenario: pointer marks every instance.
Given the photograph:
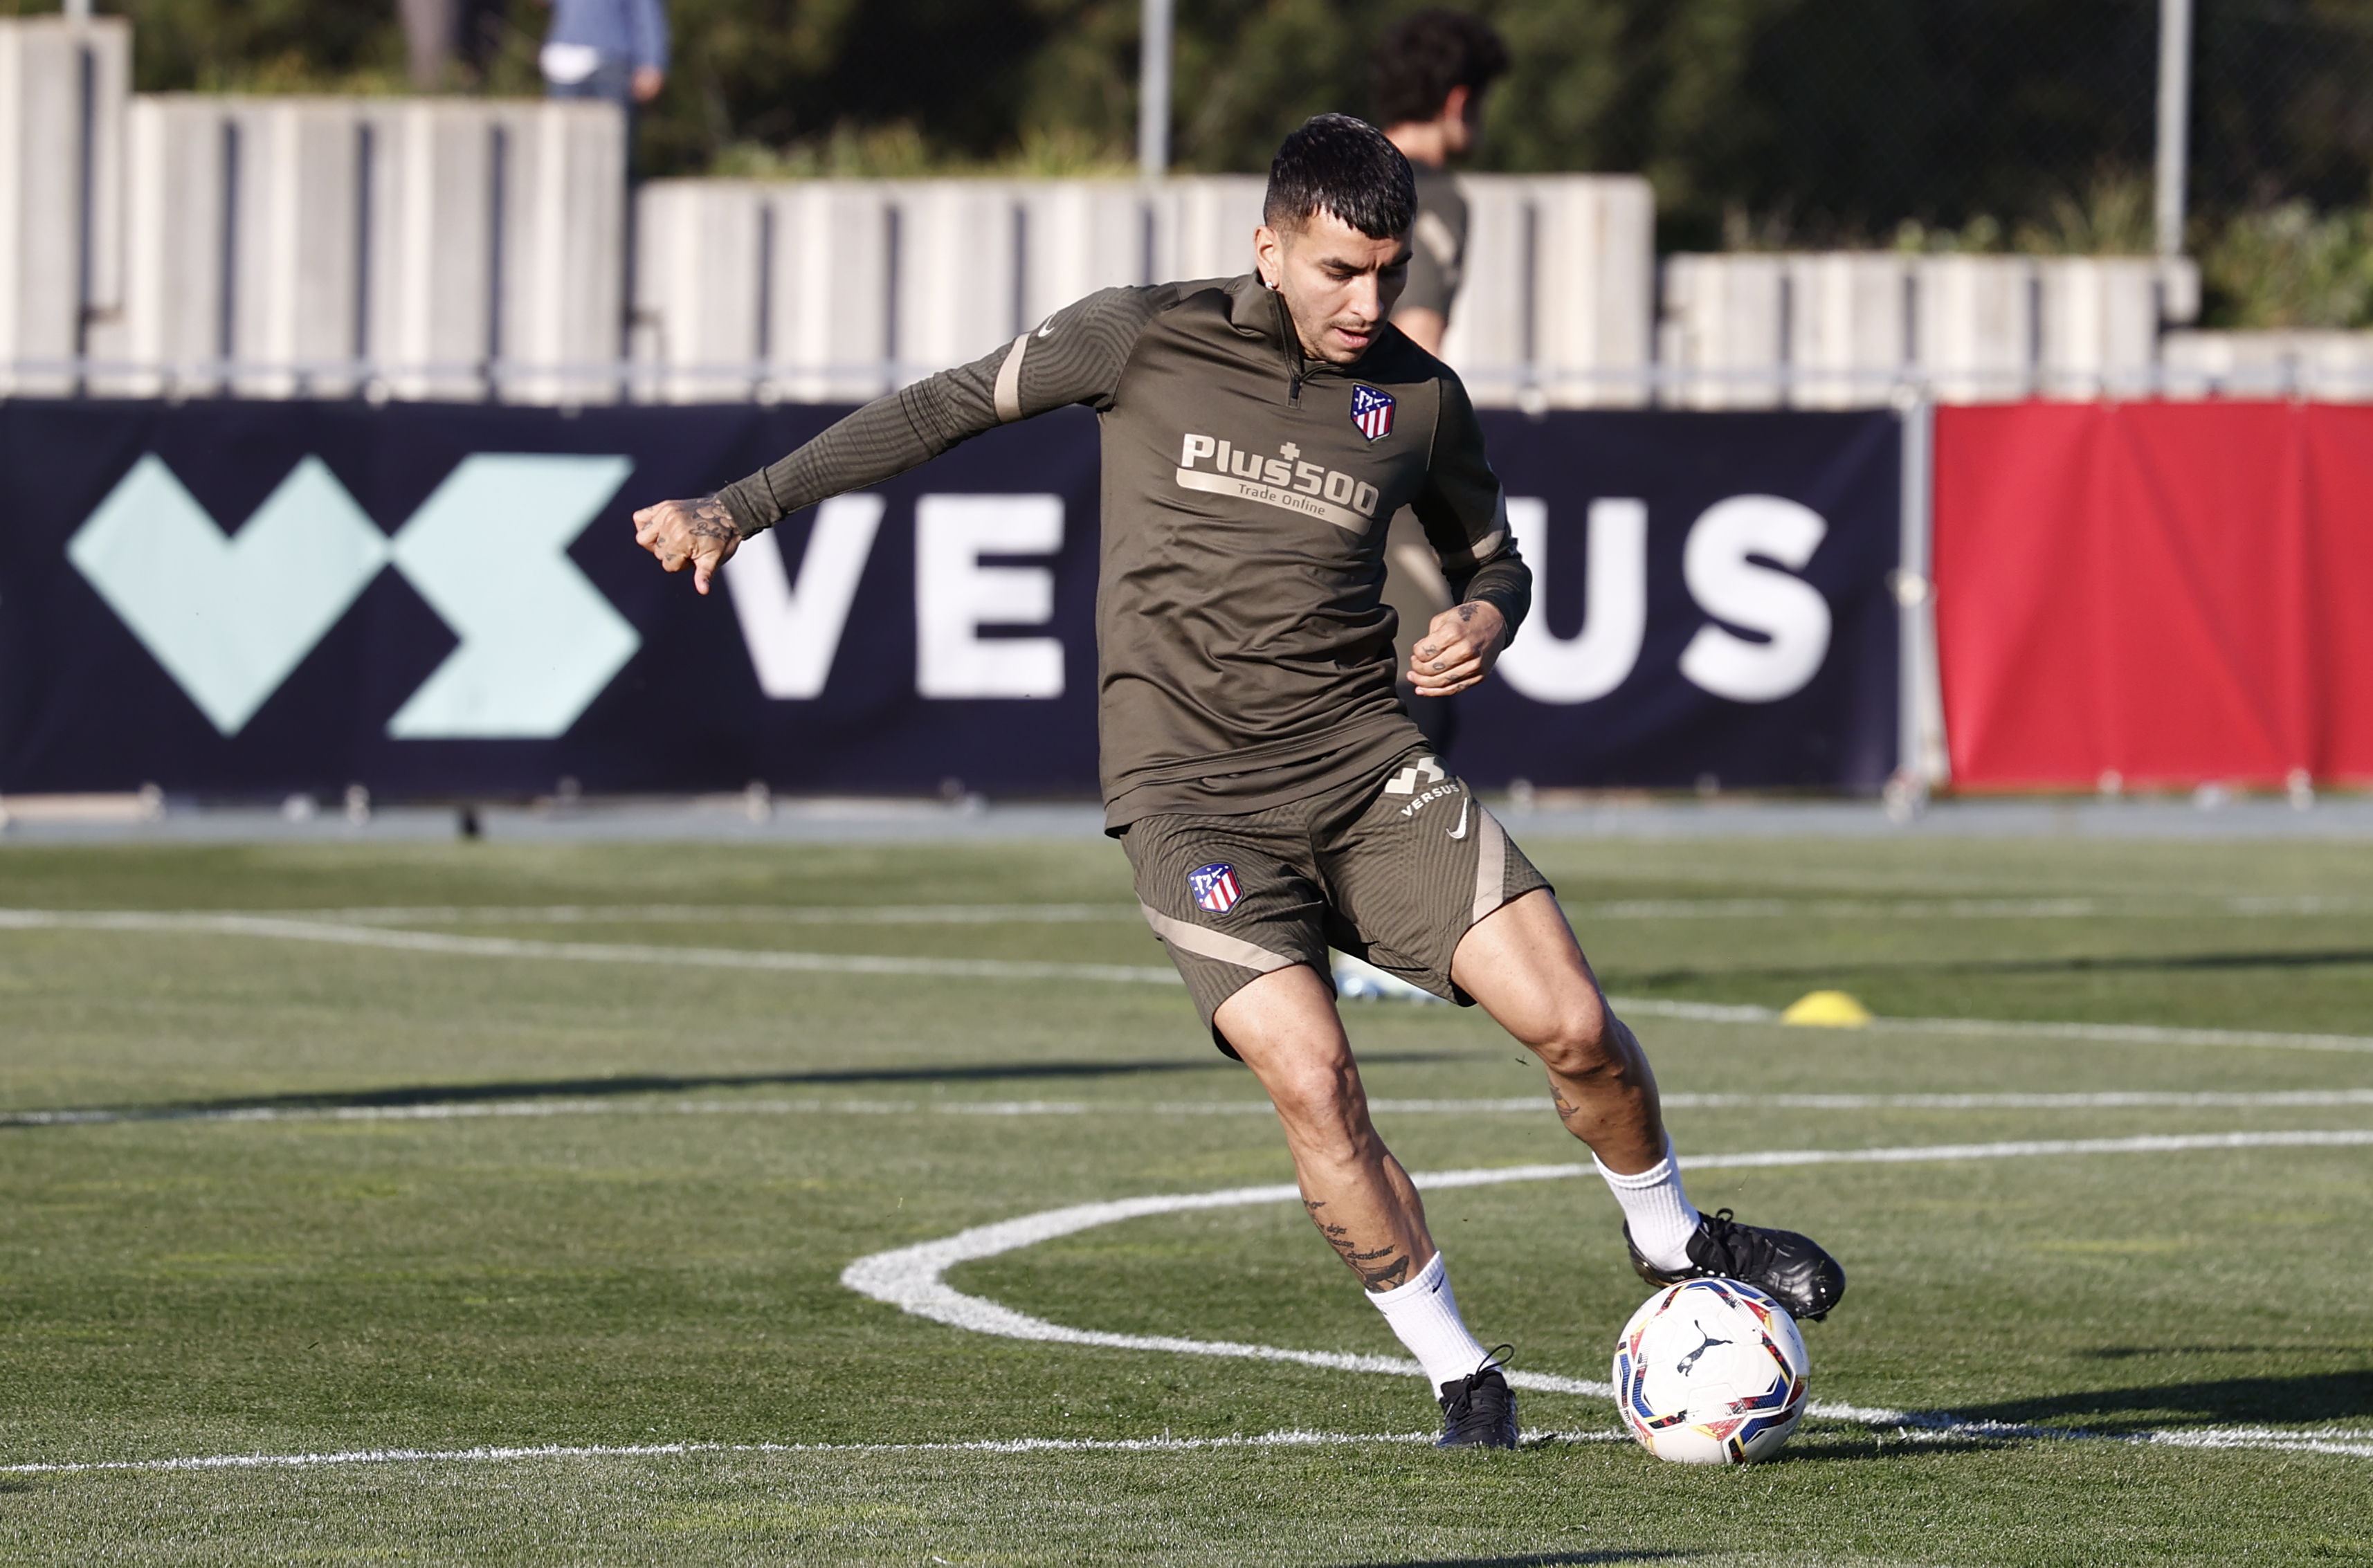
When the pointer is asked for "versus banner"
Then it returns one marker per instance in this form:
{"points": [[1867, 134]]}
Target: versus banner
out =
{"points": [[245, 599], [2170, 592]]}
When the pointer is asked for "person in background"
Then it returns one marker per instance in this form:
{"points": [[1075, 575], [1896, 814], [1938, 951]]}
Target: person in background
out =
{"points": [[1430, 76], [611, 49]]}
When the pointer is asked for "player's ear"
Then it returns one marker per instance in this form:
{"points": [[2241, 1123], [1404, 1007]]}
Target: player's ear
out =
{"points": [[1268, 254]]}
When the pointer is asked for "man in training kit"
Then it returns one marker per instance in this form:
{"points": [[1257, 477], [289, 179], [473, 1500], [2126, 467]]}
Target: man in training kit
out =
{"points": [[1430, 74], [1272, 796], [1430, 77]]}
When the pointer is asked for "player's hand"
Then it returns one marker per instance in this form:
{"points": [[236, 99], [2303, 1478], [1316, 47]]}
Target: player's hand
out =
{"points": [[698, 534], [1459, 648]]}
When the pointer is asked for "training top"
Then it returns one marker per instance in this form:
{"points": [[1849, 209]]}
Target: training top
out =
{"points": [[1437, 244], [1245, 653]]}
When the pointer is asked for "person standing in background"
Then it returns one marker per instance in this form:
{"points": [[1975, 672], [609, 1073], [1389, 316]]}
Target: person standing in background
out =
{"points": [[1430, 77], [611, 49]]}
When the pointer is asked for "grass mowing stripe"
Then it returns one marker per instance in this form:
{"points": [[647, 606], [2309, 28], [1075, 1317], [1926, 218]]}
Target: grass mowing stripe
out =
{"points": [[1523, 1104], [2332, 1439], [276, 928], [913, 1278], [1059, 914]]}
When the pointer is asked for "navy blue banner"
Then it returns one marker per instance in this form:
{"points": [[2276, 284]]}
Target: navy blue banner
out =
{"points": [[252, 599]]}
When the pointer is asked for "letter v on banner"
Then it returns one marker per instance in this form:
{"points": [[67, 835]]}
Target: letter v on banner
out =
{"points": [[792, 629]]}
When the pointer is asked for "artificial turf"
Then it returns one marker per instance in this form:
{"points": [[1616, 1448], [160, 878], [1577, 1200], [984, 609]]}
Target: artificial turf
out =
{"points": [[656, 1260]]}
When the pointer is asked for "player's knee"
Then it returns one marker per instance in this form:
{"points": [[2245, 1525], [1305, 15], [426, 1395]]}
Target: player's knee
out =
{"points": [[1585, 1043], [1324, 1113]]}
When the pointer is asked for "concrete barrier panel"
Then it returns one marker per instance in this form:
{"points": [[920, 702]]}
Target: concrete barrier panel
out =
{"points": [[1975, 333], [1592, 288], [1724, 332], [1849, 328], [63, 86]]}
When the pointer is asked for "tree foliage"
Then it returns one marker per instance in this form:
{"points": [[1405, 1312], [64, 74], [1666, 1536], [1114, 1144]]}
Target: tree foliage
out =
{"points": [[1760, 121]]}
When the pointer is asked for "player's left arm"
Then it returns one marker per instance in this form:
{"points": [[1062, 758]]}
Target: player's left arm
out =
{"points": [[1466, 518]]}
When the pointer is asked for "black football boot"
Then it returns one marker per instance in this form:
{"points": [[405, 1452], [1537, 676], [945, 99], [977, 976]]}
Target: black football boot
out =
{"points": [[1791, 1269], [1479, 1409]]}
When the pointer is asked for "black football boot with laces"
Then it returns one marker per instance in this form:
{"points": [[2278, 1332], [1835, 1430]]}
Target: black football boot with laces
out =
{"points": [[1791, 1269], [1479, 1409]]}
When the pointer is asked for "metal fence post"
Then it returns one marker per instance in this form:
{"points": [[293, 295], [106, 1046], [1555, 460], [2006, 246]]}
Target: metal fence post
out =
{"points": [[1922, 761], [2174, 120], [1153, 90]]}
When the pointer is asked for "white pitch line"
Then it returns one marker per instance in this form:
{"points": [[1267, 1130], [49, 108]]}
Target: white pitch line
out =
{"points": [[670, 1450], [276, 928], [2345, 1441], [913, 1278], [470, 1110], [284, 930], [705, 914], [2349, 1442]]}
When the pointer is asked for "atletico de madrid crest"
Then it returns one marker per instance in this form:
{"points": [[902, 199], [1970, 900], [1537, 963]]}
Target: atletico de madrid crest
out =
{"points": [[1215, 888], [1371, 411]]}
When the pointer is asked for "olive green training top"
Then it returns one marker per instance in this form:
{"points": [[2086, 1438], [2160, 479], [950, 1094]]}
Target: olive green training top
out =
{"points": [[1245, 652]]}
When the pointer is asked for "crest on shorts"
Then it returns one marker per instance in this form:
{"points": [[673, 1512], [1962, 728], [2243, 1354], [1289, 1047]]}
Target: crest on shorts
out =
{"points": [[1215, 887], [1371, 411]]}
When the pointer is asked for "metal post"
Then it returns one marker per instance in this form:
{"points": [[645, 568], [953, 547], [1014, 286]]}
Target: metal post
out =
{"points": [[1922, 761], [2174, 120], [1153, 90]]}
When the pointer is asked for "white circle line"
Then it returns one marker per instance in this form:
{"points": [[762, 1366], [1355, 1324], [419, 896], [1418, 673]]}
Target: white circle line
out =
{"points": [[913, 1278]]}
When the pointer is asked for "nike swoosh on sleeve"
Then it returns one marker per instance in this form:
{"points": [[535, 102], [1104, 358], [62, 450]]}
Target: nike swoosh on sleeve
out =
{"points": [[1460, 831]]}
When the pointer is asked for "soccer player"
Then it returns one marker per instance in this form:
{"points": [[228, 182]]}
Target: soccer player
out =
{"points": [[1430, 74], [1271, 793], [1430, 77]]}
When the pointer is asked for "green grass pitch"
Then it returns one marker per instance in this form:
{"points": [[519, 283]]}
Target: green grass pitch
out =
{"points": [[607, 1206]]}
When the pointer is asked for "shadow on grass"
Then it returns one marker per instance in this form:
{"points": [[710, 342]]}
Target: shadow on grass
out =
{"points": [[2318, 1396], [1531, 1559], [2144, 964], [401, 1095]]}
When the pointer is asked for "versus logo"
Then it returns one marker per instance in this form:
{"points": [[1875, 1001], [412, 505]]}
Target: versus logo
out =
{"points": [[231, 616]]}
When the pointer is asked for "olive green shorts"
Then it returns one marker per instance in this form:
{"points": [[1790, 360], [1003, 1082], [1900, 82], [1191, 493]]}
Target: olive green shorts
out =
{"points": [[1392, 869]]}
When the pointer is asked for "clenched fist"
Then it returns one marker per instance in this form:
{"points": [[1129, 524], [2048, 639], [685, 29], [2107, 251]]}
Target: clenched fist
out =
{"points": [[696, 534], [1459, 648]]}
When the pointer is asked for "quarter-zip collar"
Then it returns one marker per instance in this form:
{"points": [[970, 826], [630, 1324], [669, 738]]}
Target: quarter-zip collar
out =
{"points": [[1258, 311]]}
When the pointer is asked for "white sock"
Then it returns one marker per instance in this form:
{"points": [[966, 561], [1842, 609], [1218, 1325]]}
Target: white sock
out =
{"points": [[1425, 1316], [1661, 1218]]}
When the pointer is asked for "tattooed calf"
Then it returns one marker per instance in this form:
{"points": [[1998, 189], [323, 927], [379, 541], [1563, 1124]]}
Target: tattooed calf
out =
{"points": [[1378, 1271]]}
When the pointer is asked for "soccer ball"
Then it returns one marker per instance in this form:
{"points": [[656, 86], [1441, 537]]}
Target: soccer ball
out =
{"points": [[1711, 1372]]}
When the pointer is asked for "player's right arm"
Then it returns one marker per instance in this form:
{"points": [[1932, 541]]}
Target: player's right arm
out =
{"points": [[1076, 357]]}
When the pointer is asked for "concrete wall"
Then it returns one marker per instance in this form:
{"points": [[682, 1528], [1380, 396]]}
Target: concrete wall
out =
{"points": [[827, 289], [310, 247], [1843, 330], [63, 86]]}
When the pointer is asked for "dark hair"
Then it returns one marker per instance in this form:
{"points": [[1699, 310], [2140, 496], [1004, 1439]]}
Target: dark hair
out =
{"points": [[1337, 164], [1427, 55]]}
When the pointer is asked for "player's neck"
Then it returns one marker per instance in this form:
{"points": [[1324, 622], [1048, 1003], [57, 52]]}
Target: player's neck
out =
{"points": [[1422, 141]]}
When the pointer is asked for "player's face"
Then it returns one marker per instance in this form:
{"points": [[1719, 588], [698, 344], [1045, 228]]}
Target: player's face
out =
{"points": [[1339, 284]]}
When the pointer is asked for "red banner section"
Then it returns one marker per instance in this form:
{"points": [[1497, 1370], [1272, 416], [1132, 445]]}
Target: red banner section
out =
{"points": [[2176, 592]]}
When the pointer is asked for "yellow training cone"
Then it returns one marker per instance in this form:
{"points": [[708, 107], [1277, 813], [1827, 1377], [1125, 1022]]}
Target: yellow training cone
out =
{"points": [[1827, 1010]]}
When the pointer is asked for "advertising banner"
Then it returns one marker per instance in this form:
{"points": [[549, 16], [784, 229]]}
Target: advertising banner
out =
{"points": [[2166, 593], [246, 599]]}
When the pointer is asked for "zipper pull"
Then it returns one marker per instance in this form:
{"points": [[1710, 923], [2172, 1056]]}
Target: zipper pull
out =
{"points": [[1293, 389]]}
